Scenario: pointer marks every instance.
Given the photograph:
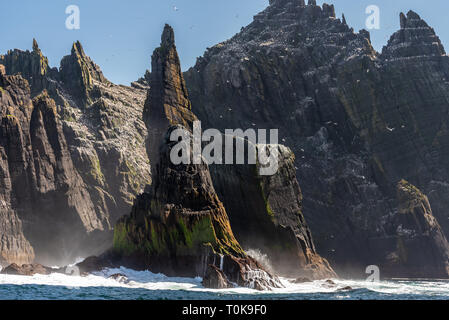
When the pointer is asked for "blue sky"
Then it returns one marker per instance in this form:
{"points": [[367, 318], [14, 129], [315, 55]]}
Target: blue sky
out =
{"points": [[121, 35]]}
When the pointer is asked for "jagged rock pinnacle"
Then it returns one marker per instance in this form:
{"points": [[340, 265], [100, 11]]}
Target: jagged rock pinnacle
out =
{"points": [[403, 20], [78, 71], [412, 20], [35, 45], [168, 90], [78, 48], [167, 103], [329, 9], [312, 3], [168, 37], [415, 38], [343, 18], [413, 15]]}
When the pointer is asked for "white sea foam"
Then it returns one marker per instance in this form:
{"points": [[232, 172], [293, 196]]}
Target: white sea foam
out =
{"points": [[262, 258], [151, 281]]}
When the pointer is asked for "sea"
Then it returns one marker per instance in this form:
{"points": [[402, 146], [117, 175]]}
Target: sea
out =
{"points": [[145, 285]]}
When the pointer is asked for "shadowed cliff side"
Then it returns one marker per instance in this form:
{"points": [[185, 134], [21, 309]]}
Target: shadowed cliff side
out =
{"points": [[14, 94], [358, 121], [266, 214]]}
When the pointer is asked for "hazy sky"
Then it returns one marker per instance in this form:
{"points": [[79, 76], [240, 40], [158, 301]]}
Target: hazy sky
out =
{"points": [[120, 35]]}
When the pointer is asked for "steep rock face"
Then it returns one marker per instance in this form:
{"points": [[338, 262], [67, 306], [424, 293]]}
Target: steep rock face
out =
{"points": [[358, 121], [14, 247], [399, 107], [42, 179], [260, 205], [104, 134], [179, 226]]}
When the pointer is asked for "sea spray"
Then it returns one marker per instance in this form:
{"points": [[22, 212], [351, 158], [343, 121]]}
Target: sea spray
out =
{"points": [[261, 258]]}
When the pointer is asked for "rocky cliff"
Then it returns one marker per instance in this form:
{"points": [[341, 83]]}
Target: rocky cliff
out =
{"points": [[39, 176], [84, 157], [357, 120], [14, 95]]}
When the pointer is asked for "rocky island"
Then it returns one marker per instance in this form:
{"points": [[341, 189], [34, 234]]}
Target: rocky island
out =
{"points": [[363, 177]]}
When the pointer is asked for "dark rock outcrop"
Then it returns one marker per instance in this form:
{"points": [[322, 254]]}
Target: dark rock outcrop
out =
{"points": [[144, 81], [419, 246], [358, 121], [77, 73], [94, 263], [32, 65], [26, 270], [216, 279], [179, 226]]}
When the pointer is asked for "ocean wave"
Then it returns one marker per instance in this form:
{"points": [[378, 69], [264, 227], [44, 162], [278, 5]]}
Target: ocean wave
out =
{"points": [[341, 289]]}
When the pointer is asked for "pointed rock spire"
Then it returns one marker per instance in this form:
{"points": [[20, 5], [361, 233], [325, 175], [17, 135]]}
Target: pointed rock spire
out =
{"points": [[75, 73], [180, 194], [403, 20], [167, 102], [343, 19], [168, 91], [78, 72], [312, 3], [168, 37], [77, 49], [35, 46], [415, 38]]}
